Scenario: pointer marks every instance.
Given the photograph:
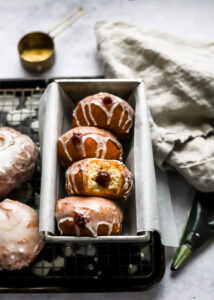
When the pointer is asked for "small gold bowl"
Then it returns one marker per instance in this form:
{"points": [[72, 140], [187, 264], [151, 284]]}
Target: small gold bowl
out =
{"points": [[36, 51]]}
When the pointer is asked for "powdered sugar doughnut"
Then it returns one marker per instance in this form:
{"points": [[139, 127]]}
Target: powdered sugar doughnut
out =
{"points": [[20, 241], [17, 159]]}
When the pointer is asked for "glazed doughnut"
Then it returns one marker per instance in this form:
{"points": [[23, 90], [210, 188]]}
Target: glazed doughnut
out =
{"points": [[105, 111], [88, 216], [84, 142], [99, 177], [20, 241], [18, 156]]}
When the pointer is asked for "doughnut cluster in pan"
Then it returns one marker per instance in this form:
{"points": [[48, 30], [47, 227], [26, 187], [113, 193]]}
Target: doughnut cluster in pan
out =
{"points": [[95, 174]]}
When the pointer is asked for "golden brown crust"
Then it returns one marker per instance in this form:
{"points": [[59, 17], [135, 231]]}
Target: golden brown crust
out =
{"points": [[88, 216], [105, 111], [18, 157], [82, 179], [85, 142]]}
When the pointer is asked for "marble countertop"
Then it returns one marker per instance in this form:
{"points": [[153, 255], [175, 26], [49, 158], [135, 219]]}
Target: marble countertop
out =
{"points": [[77, 56]]}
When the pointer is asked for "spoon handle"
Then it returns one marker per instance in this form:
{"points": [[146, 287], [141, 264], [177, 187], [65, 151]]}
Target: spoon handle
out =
{"points": [[79, 11]]}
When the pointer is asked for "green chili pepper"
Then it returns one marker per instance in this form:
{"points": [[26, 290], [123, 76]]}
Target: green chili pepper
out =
{"points": [[198, 229]]}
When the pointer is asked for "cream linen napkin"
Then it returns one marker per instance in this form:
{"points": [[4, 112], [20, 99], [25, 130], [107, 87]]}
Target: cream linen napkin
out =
{"points": [[179, 79]]}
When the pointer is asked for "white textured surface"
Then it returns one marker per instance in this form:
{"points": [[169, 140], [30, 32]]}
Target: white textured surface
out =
{"points": [[76, 56]]}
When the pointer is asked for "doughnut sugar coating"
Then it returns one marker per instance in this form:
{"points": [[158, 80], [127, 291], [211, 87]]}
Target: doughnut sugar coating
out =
{"points": [[20, 241], [105, 111], [87, 141], [88, 216], [18, 157], [99, 177]]}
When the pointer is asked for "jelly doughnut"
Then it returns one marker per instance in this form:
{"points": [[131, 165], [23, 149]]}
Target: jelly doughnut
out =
{"points": [[105, 111], [88, 216], [85, 142], [99, 177]]}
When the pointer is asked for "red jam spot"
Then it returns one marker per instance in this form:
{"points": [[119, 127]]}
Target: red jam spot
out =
{"points": [[107, 100], [103, 179], [77, 138], [80, 221]]}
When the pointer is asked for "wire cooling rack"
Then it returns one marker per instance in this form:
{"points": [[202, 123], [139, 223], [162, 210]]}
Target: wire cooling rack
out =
{"points": [[70, 267]]}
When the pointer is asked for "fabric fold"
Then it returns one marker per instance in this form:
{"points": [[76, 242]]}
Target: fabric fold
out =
{"points": [[178, 76]]}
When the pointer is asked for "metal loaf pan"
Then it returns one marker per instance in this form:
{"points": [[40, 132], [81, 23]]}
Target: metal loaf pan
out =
{"points": [[55, 115]]}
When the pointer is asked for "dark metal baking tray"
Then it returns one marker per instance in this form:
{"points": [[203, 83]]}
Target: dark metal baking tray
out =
{"points": [[66, 267]]}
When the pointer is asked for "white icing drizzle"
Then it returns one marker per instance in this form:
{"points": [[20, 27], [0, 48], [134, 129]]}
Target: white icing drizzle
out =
{"points": [[75, 117], [121, 117], [128, 184], [99, 139], [63, 221], [92, 211], [129, 119], [84, 172], [101, 144], [81, 166], [97, 101], [84, 114], [64, 145], [91, 115], [93, 227], [70, 178], [5, 142]]}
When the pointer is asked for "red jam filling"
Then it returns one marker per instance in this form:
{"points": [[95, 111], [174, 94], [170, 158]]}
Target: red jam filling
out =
{"points": [[77, 138], [103, 179], [80, 221], [107, 100]]}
